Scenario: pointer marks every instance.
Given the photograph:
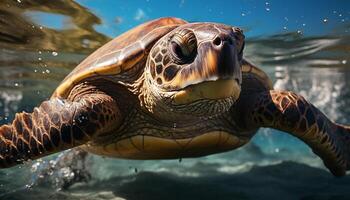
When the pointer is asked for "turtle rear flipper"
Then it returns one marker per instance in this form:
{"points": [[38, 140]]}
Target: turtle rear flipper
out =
{"points": [[57, 125], [291, 113]]}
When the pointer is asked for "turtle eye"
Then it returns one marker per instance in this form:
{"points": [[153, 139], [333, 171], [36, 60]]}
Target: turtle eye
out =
{"points": [[183, 46]]}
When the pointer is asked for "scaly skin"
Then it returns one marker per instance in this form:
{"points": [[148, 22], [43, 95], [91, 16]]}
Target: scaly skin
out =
{"points": [[57, 125], [291, 113]]}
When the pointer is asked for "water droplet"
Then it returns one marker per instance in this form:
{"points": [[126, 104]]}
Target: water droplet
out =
{"points": [[54, 53], [299, 32], [85, 43], [19, 1], [39, 52], [41, 27], [344, 62], [285, 28], [243, 14], [267, 9], [174, 125], [304, 24], [325, 20], [277, 150], [40, 59], [16, 84], [47, 71]]}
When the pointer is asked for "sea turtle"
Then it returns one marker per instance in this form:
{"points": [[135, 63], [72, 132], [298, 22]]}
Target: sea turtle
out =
{"points": [[169, 89]]}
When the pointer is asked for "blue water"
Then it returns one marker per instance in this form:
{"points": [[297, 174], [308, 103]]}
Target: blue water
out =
{"points": [[303, 46]]}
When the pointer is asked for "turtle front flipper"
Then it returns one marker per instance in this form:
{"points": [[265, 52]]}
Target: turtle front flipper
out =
{"points": [[291, 113], [57, 125]]}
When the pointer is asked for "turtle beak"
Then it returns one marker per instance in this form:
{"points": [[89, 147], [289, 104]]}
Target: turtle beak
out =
{"points": [[222, 59], [213, 90], [215, 74], [216, 60]]}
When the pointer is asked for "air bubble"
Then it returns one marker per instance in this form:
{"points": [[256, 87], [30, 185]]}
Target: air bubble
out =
{"points": [[29, 186]]}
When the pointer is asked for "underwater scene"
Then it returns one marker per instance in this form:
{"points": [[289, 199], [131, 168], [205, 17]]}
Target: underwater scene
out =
{"points": [[303, 46]]}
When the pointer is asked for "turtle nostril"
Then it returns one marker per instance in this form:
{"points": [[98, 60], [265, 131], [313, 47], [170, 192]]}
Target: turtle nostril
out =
{"points": [[217, 41]]}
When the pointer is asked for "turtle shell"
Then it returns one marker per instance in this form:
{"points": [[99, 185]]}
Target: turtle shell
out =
{"points": [[256, 77], [120, 54]]}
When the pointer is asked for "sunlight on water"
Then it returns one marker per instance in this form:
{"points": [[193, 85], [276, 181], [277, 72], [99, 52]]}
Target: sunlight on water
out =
{"points": [[42, 41]]}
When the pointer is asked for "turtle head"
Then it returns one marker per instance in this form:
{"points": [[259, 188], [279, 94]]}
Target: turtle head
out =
{"points": [[196, 65]]}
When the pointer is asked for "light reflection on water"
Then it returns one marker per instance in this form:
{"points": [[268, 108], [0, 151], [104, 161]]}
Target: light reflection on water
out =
{"points": [[41, 43]]}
